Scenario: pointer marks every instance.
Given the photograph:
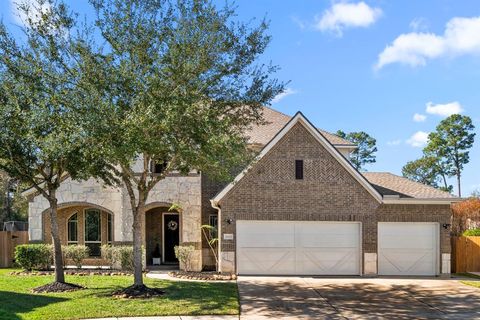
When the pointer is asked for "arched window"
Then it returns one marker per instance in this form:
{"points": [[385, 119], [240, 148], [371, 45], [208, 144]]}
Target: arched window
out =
{"points": [[93, 234], [72, 227]]}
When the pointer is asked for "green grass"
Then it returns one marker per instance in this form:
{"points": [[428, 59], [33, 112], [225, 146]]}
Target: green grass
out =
{"points": [[474, 283], [181, 298]]}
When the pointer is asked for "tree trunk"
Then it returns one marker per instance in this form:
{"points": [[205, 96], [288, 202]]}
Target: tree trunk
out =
{"points": [[57, 246], [459, 186], [137, 244]]}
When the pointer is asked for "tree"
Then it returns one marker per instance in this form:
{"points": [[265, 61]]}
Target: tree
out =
{"points": [[424, 170], [40, 140], [366, 148], [175, 87], [451, 142], [13, 207]]}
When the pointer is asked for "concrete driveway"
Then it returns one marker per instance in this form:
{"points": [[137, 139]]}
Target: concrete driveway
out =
{"points": [[356, 298]]}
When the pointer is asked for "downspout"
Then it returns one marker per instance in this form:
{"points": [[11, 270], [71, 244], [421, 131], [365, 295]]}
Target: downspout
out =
{"points": [[216, 206]]}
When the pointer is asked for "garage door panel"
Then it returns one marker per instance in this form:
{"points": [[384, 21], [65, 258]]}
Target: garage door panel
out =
{"points": [[327, 235], [407, 248], [259, 235], [328, 261], [259, 261], [312, 248]]}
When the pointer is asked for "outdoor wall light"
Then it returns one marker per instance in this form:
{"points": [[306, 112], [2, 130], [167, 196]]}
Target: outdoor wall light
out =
{"points": [[229, 220], [446, 226]]}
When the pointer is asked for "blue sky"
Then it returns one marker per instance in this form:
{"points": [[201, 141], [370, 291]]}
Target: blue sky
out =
{"points": [[373, 66]]}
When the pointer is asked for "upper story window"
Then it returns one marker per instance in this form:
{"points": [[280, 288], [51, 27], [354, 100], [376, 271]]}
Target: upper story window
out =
{"points": [[299, 169], [72, 229], [158, 166]]}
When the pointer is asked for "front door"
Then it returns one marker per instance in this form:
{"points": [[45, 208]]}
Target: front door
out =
{"points": [[171, 236]]}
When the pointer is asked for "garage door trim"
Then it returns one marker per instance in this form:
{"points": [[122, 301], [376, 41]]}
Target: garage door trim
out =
{"points": [[358, 223]]}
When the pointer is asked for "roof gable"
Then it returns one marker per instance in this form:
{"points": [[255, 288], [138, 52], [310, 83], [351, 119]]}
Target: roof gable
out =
{"points": [[275, 121], [299, 118]]}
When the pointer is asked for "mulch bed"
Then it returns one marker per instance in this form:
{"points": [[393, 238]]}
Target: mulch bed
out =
{"points": [[206, 276], [72, 273], [57, 287], [138, 292]]}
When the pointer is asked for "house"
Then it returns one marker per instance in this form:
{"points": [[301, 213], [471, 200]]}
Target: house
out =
{"points": [[300, 209]]}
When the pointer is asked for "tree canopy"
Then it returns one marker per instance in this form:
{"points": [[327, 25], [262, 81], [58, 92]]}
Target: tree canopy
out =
{"points": [[366, 148], [171, 84]]}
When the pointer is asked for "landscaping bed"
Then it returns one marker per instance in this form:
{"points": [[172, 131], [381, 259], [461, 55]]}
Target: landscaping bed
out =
{"points": [[75, 272], [95, 300], [206, 276]]}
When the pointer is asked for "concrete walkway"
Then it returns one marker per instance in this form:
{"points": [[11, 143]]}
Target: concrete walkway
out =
{"points": [[356, 298]]}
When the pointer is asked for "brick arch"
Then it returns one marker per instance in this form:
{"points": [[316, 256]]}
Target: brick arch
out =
{"points": [[64, 214], [65, 205], [157, 204]]}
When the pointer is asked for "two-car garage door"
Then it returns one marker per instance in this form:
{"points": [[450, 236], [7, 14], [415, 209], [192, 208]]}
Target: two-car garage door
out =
{"points": [[298, 248]]}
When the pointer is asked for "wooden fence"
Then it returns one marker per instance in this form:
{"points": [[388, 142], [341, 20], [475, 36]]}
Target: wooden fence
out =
{"points": [[8, 241], [465, 254]]}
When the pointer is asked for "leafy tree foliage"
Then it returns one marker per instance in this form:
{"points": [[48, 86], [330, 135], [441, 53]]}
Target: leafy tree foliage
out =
{"points": [[171, 85], [426, 170], [13, 207], [366, 148], [451, 142], [40, 140], [445, 155]]}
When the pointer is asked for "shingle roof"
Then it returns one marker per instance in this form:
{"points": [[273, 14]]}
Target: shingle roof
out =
{"points": [[275, 122], [389, 184]]}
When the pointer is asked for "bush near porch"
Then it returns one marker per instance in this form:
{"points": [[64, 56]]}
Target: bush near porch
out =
{"points": [[180, 298]]}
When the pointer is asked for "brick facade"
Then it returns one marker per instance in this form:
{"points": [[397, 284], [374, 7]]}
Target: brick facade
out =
{"points": [[328, 192]]}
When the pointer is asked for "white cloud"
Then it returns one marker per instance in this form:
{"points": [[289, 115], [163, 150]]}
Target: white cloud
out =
{"points": [[347, 15], [417, 117], [418, 139], [461, 37], [444, 110], [394, 142], [287, 92], [36, 7], [419, 24]]}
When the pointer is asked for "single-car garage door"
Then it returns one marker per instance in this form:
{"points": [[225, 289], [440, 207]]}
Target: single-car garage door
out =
{"points": [[408, 248], [298, 248]]}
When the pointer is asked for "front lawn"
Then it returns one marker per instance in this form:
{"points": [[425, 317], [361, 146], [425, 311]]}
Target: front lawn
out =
{"points": [[473, 283], [181, 298]]}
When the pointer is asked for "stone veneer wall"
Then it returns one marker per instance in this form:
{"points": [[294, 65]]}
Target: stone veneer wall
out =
{"points": [[269, 191], [184, 191]]}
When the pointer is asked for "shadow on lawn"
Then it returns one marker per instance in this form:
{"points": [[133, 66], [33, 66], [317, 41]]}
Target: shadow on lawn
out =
{"points": [[13, 303], [207, 296]]}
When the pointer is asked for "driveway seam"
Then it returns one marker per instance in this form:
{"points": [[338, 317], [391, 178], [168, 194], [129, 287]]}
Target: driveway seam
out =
{"points": [[422, 301], [325, 299]]}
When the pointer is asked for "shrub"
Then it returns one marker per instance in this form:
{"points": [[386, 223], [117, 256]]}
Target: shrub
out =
{"points": [[119, 257], [123, 257], [34, 256], [76, 253], [107, 252], [472, 232], [184, 255]]}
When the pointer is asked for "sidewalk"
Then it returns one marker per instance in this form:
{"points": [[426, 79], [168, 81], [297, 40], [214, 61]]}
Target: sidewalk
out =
{"points": [[173, 318]]}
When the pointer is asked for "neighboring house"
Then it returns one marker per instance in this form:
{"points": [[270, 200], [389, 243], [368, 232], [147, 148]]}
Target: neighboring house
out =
{"points": [[300, 209]]}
